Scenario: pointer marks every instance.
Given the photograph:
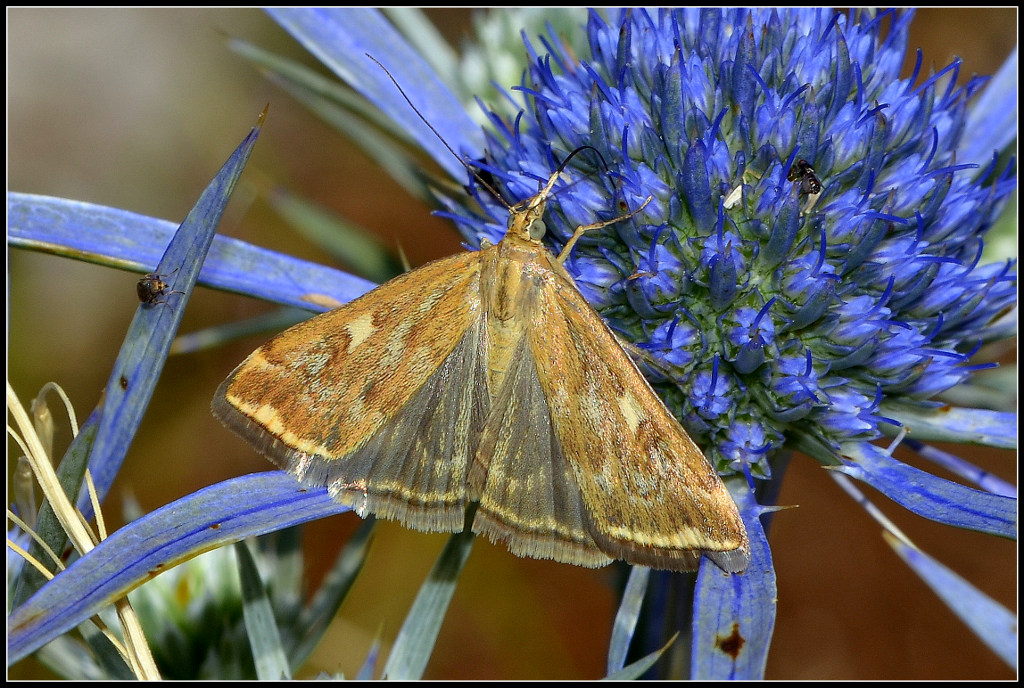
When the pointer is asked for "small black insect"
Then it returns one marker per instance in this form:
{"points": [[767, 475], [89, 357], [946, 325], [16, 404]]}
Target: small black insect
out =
{"points": [[803, 172], [151, 287]]}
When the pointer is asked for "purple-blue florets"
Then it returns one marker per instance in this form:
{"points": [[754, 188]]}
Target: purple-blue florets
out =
{"points": [[763, 311]]}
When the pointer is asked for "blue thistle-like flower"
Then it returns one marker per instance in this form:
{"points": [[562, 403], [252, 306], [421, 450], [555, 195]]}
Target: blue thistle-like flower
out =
{"points": [[806, 312]]}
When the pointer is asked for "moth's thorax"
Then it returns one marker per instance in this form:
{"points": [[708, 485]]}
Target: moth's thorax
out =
{"points": [[512, 278]]}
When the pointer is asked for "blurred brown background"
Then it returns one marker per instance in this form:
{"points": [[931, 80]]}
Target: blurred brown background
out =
{"points": [[138, 109]]}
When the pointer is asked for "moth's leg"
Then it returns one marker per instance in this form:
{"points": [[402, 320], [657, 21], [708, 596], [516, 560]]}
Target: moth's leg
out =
{"points": [[564, 253], [636, 353], [642, 358]]}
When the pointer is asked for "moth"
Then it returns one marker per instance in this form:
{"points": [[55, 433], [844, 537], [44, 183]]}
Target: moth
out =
{"points": [[482, 391], [151, 287]]}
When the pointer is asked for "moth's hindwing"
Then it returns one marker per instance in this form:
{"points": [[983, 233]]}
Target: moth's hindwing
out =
{"points": [[528, 496], [382, 399]]}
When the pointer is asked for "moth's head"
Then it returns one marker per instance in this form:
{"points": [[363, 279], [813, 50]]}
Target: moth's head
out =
{"points": [[526, 218]]}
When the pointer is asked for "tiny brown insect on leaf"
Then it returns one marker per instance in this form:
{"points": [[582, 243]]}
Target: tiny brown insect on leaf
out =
{"points": [[152, 286]]}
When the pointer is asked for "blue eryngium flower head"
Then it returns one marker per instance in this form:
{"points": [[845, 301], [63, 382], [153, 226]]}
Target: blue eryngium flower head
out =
{"points": [[766, 312], [807, 273]]}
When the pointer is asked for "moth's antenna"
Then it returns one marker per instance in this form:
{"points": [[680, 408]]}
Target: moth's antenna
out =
{"points": [[571, 155], [472, 170], [544, 188], [441, 138], [604, 164]]}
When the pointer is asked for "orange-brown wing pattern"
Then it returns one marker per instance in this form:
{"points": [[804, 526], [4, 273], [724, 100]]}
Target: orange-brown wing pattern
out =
{"points": [[381, 400]]}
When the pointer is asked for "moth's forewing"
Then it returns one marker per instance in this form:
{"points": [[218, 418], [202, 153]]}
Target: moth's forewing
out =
{"points": [[650, 495], [382, 399]]}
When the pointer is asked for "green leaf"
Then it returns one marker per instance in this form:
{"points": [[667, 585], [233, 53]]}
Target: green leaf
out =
{"points": [[352, 245], [317, 616], [640, 666], [415, 641], [626, 617], [264, 638]]}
